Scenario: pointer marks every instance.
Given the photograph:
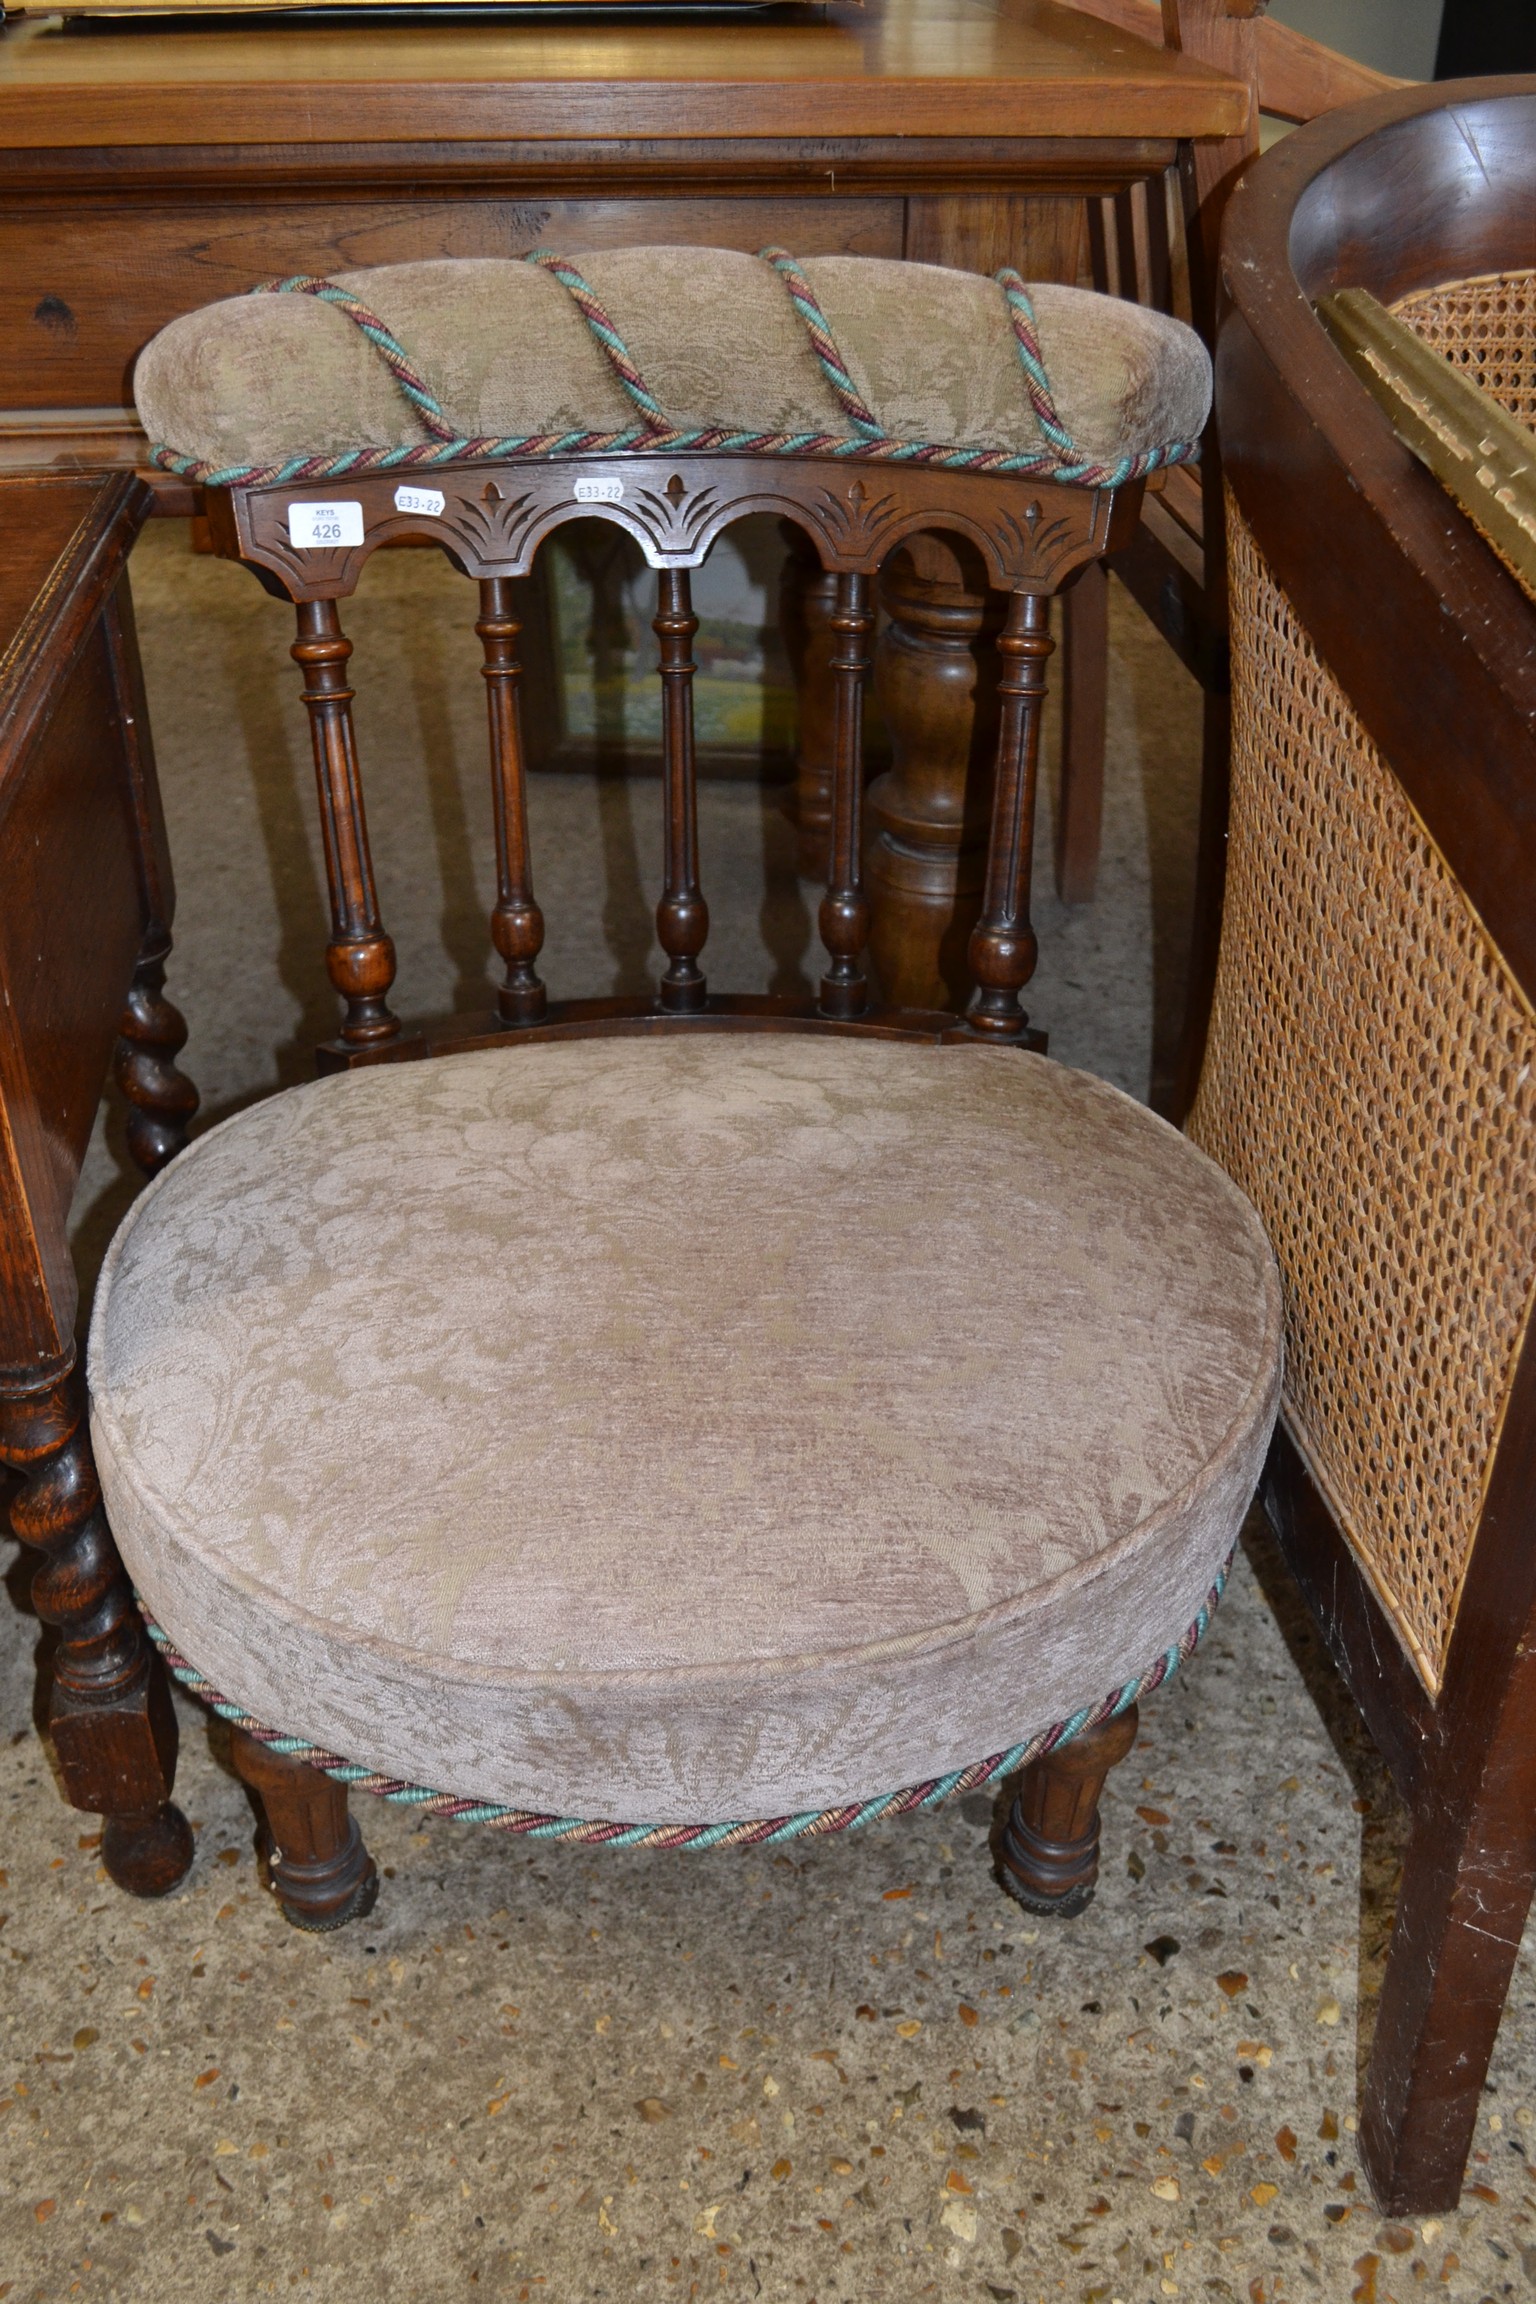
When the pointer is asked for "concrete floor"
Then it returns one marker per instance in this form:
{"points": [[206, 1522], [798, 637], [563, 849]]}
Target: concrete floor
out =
{"points": [[847, 2071]]}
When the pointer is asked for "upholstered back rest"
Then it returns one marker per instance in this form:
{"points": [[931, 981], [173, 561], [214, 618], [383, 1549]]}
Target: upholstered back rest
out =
{"points": [[479, 405]]}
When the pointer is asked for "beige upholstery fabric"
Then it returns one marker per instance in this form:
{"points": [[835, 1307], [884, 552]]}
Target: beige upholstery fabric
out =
{"points": [[683, 1429], [507, 354]]}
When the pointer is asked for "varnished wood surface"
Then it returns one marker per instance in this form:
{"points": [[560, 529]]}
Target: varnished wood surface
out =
{"points": [[1297, 77], [85, 910], [1027, 535], [72, 916], [899, 67], [1392, 196], [1392, 200]]}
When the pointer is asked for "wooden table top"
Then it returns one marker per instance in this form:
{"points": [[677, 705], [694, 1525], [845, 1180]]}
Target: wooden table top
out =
{"points": [[931, 68], [37, 519]]}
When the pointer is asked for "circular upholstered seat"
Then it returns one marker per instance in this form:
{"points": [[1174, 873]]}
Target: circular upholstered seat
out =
{"points": [[683, 1428]]}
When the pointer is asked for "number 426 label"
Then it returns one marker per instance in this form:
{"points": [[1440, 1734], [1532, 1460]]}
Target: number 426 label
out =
{"points": [[325, 527]]}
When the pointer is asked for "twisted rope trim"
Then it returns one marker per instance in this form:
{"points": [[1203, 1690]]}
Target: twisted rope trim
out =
{"points": [[833, 366], [1061, 461], [619, 357], [387, 346], [763, 1833], [1026, 334]]}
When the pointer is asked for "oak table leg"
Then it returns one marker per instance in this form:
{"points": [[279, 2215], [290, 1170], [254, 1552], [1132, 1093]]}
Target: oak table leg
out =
{"points": [[110, 1715], [152, 1032], [322, 1875], [936, 680], [1050, 1851]]}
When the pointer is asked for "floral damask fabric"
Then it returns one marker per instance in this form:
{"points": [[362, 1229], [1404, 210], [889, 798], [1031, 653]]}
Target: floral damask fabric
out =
{"points": [[503, 349], [685, 1428]]}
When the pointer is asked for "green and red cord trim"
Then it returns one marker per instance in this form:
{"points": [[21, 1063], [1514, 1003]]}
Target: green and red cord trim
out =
{"points": [[765, 1832], [1060, 460]]}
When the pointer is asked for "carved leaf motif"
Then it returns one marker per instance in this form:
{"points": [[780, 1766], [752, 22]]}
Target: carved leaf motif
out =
{"points": [[858, 525], [1040, 548], [496, 523], [673, 519]]}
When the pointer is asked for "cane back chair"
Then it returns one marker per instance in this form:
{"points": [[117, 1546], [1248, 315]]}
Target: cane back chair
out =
{"points": [[1373, 1042], [693, 1419]]}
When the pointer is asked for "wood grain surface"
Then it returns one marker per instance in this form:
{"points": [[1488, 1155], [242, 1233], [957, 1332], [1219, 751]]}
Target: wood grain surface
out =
{"points": [[901, 67]]}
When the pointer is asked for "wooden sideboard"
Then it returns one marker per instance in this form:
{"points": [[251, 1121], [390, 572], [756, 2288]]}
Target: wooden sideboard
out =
{"points": [[148, 168]]}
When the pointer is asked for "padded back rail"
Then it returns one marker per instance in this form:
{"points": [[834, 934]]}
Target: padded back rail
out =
{"points": [[311, 546]]}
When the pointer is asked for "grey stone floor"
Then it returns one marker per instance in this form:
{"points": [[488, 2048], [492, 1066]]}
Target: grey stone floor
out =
{"points": [[851, 2070]]}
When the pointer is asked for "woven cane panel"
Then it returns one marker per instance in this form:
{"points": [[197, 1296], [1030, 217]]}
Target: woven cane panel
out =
{"points": [[1486, 326], [1371, 1084]]}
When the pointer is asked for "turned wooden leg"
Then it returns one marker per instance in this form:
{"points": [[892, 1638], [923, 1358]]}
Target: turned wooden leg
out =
{"points": [[151, 1035], [321, 1873], [1049, 1861], [936, 681], [807, 598], [110, 1715], [1085, 676]]}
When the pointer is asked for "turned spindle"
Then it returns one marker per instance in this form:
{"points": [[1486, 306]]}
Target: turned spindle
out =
{"points": [[682, 916], [844, 915], [517, 924], [1003, 947], [360, 958]]}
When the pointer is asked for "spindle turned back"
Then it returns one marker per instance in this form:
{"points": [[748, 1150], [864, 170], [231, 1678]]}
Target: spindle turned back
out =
{"points": [[490, 517]]}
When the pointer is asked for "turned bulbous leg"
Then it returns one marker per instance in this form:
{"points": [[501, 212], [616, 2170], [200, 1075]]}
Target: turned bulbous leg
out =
{"points": [[1049, 1859], [321, 1873], [149, 1852], [110, 1716]]}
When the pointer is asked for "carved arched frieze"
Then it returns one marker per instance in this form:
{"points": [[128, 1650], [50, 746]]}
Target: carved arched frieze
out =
{"points": [[491, 517]]}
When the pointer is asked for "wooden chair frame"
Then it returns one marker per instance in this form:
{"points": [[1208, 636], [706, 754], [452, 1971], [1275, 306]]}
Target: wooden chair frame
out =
{"points": [[1032, 536], [113, 1725], [1406, 192]]}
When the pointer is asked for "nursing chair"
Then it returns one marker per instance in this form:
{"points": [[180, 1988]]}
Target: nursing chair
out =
{"points": [[693, 1420]]}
